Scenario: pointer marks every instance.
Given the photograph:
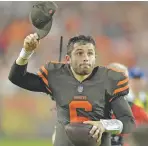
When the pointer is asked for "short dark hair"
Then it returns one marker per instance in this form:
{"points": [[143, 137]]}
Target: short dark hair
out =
{"points": [[82, 39]]}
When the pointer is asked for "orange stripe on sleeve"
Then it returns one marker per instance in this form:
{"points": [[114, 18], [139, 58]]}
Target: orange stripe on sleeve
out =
{"points": [[121, 89], [44, 70], [122, 82], [43, 78]]}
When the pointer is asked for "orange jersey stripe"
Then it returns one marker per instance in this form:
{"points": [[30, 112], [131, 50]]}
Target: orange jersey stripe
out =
{"points": [[122, 82], [43, 78], [121, 89], [44, 70]]}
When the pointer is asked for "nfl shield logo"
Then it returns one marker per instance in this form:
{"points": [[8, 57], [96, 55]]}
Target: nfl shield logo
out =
{"points": [[80, 88]]}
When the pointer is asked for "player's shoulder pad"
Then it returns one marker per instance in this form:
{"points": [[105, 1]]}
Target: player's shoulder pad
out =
{"points": [[117, 82], [115, 74], [52, 65]]}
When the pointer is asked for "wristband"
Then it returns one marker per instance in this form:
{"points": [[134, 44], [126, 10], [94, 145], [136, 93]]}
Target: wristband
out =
{"points": [[25, 54], [114, 126]]}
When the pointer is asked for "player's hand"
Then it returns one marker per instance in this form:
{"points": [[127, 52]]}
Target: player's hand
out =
{"points": [[31, 42], [97, 130]]}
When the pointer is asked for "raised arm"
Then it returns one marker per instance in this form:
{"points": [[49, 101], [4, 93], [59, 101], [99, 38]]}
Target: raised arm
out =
{"points": [[18, 74]]}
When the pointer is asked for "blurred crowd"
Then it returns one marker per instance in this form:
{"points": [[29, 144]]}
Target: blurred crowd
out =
{"points": [[119, 28]]}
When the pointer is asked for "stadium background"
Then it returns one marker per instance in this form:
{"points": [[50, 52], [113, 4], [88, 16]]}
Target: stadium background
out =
{"points": [[121, 33]]}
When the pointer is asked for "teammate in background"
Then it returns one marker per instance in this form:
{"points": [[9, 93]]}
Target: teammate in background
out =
{"points": [[137, 84], [83, 93], [140, 115]]}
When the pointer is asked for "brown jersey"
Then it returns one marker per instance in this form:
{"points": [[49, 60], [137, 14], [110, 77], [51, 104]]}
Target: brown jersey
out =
{"points": [[88, 100], [92, 99]]}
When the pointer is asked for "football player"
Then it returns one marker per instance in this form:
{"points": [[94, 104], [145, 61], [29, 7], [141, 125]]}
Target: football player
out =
{"points": [[83, 92]]}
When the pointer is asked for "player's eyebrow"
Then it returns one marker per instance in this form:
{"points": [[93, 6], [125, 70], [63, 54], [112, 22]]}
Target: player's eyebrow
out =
{"points": [[78, 50]]}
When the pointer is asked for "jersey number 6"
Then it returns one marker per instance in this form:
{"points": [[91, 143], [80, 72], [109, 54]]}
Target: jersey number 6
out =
{"points": [[79, 104]]}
